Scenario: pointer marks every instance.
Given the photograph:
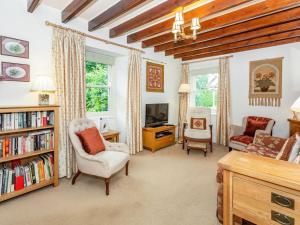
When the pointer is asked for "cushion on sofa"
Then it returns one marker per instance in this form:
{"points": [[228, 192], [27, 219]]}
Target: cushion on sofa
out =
{"points": [[275, 143], [295, 149], [261, 150], [255, 123], [242, 139], [91, 140]]}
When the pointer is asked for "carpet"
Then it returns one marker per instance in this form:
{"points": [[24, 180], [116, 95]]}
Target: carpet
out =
{"points": [[167, 187]]}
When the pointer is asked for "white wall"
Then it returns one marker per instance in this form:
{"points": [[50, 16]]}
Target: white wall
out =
{"points": [[31, 27], [239, 67]]}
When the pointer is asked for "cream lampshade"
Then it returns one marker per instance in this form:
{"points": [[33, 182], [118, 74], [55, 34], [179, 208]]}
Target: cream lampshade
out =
{"points": [[184, 88], [296, 108], [44, 85]]}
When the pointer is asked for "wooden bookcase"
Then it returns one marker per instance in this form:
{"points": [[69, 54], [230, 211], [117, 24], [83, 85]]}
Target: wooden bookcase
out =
{"points": [[27, 156]]}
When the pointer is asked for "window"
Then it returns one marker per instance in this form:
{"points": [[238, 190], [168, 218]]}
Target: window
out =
{"points": [[97, 87], [204, 90]]}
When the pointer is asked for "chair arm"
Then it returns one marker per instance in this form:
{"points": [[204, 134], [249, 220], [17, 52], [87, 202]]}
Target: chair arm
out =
{"points": [[118, 147], [235, 130]]}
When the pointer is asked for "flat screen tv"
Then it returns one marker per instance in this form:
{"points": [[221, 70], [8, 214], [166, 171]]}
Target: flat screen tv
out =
{"points": [[157, 114]]}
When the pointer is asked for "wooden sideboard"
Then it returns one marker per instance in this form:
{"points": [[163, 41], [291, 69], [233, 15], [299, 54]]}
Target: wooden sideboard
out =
{"points": [[294, 126], [260, 190]]}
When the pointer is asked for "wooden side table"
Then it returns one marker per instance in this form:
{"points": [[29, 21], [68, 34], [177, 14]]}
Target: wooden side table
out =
{"points": [[294, 126], [112, 135]]}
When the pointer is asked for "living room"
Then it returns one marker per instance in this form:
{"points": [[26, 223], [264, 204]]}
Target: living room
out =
{"points": [[166, 84]]}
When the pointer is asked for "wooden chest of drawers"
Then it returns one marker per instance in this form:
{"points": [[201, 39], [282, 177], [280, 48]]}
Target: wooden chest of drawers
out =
{"points": [[261, 190]]}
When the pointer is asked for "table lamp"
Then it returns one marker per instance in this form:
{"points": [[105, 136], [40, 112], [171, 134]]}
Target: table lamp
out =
{"points": [[44, 85], [296, 108]]}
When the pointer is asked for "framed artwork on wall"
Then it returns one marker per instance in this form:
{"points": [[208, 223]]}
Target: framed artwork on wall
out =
{"points": [[15, 72], [154, 77], [14, 47], [265, 87]]}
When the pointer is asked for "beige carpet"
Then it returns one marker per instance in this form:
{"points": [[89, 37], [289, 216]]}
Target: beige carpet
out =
{"points": [[163, 188]]}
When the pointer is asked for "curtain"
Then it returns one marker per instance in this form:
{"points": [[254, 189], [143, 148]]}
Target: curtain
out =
{"points": [[134, 123], [223, 104], [69, 67], [183, 101]]}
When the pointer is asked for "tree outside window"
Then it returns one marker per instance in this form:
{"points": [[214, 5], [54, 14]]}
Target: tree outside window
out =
{"points": [[97, 87]]}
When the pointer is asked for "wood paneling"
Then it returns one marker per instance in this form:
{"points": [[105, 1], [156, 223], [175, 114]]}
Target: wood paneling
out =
{"points": [[265, 21], [73, 9], [113, 12], [242, 49], [239, 44], [250, 12], [32, 5], [205, 10], [235, 38], [148, 16]]}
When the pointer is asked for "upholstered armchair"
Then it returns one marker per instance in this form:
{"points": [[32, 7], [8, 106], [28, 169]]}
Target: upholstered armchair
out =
{"points": [[103, 164], [241, 136], [198, 126]]}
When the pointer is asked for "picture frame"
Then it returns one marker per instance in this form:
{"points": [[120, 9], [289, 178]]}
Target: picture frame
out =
{"points": [[14, 47], [15, 72], [154, 77]]}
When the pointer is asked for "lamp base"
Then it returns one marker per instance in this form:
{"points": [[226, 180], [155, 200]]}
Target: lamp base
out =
{"points": [[43, 99]]}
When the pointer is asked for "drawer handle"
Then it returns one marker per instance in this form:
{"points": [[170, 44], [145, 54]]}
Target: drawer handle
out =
{"points": [[283, 201], [282, 219]]}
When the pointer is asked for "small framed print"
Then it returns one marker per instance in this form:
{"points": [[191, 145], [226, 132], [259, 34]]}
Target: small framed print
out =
{"points": [[14, 47], [15, 72], [155, 77]]}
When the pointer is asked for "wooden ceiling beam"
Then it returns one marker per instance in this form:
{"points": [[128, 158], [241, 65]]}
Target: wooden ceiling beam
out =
{"points": [[243, 49], [158, 11], [113, 12], [204, 10], [73, 9], [239, 44], [32, 5], [290, 26], [254, 24], [244, 14]]}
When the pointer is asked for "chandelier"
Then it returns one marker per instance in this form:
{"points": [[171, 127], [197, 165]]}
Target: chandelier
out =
{"points": [[178, 28]]}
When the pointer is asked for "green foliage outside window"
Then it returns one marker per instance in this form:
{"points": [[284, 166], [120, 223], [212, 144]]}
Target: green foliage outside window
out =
{"points": [[97, 90], [206, 91]]}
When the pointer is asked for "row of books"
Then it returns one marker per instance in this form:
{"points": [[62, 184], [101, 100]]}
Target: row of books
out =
{"points": [[10, 146], [19, 176], [12, 121]]}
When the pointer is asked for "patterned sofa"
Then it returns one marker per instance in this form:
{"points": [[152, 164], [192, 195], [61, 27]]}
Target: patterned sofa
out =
{"points": [[263, 145]]}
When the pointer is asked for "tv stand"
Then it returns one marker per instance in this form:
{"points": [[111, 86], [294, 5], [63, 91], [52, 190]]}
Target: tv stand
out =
{"points": [[155, 138]]}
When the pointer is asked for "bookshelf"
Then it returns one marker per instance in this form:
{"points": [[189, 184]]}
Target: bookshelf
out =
{"points": [[25, 132]]}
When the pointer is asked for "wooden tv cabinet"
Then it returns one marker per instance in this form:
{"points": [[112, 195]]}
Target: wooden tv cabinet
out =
{"points": [[155, 138]]}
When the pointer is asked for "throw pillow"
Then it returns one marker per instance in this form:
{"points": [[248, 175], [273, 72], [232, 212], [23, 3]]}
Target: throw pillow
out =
{"points": [[297, 160], [295, 149], [253, 125], [91, 140], [198, 123]]}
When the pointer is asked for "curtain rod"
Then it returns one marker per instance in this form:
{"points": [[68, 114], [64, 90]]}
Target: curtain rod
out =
{"points": [[153, 60], [205, 60], [91, 36]]}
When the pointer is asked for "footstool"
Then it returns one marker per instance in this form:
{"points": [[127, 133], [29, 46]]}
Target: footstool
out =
{"points": [[197, 146]]}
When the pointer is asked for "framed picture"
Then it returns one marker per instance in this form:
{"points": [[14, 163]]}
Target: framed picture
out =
{"points": [[14, 47], [265, 87], [15, 72], [154, 77]]}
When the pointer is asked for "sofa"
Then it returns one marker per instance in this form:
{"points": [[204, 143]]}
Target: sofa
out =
{"points": [[266, 146]]}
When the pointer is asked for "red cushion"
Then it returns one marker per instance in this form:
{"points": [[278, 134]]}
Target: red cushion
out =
{"points": [[91, 140], [255, 123], [243, 139]]}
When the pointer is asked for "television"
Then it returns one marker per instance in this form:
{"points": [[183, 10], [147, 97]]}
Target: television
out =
{"points": [[157, 114]]}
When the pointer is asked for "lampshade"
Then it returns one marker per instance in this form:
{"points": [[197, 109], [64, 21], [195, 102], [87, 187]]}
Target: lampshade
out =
{"points": [[43, 84], [179, 18], [176, 28], [184, 88], [195, 24], [296, 106]]}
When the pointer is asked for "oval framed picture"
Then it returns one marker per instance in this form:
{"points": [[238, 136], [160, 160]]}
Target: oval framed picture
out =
{"points": [[14, 47], [15, 72]]}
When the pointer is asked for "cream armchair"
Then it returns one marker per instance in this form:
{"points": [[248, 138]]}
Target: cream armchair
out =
{"points": [[104, 164]]}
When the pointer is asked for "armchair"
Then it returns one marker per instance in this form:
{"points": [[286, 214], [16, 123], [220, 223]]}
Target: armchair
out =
{"points": [[197, 134], [239, 139], [105, 163]]}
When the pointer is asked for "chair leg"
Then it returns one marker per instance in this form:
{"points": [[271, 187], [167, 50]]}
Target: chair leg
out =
{"points": [[211, 146], [75, 177], [230, 149], [126, 168], [183, 141], [106, 185], [188, 151]]}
